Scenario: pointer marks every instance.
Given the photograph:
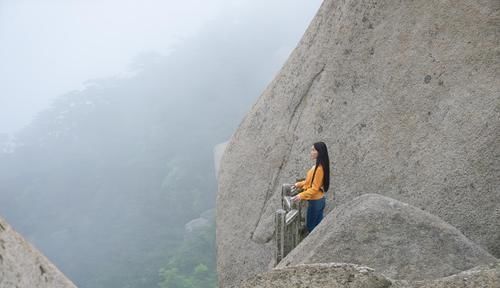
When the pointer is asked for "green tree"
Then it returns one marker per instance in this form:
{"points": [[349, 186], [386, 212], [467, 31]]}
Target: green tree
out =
{"points": [[194, 264]]}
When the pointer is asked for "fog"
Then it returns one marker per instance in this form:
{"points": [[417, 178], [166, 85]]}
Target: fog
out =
{"points": [[113, 110], [53, 46]]}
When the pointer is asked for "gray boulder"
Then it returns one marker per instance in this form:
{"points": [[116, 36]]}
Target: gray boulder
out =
{"points": [[328, 275], [335, 275], [23, 266], [478, 277], [406, 95], [396, 239]]}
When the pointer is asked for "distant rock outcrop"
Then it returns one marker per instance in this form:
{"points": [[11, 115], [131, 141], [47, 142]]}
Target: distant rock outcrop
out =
{"points": [[394, 238], [406, 94], [334, 275], [204, 221], [22, 266]]}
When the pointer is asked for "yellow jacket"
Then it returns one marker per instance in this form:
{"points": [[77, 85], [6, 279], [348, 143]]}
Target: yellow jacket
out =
{"points": [[312, 191]]}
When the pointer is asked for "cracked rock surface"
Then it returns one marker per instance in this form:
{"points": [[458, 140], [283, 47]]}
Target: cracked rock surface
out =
{"points": [[406, 96], [339, 275], [331, 275]]}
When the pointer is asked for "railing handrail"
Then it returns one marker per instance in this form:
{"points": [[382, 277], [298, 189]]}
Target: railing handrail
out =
{"points": [[291, 216]]}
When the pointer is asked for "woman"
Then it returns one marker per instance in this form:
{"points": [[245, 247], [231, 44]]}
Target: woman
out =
{"points": [[316, 184]]}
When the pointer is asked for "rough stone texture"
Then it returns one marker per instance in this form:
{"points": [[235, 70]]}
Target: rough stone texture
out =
{"points": [[407, 96], [479, 277], [331, 275], [334, 275], [22, 266], [394, 238]]}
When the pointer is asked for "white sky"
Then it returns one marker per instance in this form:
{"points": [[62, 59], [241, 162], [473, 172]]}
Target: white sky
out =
{"points": [[50, 47]]}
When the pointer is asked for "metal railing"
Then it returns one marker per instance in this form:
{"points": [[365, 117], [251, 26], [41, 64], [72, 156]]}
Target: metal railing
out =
{"points": [[289, 223]]}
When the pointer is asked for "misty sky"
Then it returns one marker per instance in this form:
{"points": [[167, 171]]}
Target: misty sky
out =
{"points": [[51, 47]]}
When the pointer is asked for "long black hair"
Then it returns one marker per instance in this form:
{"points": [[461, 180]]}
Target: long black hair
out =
{"points": [[324, 161]]}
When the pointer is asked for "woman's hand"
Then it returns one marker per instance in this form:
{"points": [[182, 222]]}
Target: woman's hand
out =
{"points": [[296, 198]]}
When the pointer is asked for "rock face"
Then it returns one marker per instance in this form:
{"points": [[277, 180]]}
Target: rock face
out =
{"points": [[22, 266], [333, 275], [394, 238], [329, 275], [406, 95], [482, 276]]}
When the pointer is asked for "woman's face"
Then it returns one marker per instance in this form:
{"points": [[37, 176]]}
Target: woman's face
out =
{"points": [[314, 153]]}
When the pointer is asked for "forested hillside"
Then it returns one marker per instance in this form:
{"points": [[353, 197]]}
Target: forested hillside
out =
{"points": [[105, 179]]}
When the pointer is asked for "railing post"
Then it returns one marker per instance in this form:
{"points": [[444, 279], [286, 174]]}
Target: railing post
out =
{"points": [[288, 223], [295, 231], [280, 234]]}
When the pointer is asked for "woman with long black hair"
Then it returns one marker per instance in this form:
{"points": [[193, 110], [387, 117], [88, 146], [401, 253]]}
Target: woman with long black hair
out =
{"points": [[315, 185]]}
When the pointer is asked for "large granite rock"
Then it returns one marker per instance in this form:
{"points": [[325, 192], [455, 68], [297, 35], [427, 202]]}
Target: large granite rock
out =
{"points": [[407, 96], [394, 238], [327, 275], [486, 276], [336, 275], [22, 266]]}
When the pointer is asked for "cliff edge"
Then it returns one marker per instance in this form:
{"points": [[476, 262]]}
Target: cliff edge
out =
{"points": [[23, 266]]}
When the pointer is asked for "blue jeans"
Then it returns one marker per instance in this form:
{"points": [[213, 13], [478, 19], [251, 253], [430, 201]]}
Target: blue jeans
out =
{"points": [[314, 213]]}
